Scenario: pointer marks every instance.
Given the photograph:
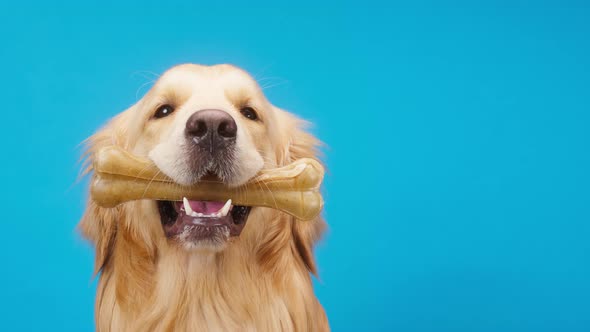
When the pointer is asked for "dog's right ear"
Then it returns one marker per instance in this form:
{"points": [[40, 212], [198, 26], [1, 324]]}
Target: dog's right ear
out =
{"points": [[99, 225]]}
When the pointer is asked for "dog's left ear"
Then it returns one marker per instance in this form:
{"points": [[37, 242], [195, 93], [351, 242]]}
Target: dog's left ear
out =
{"points": [[294, 142]]}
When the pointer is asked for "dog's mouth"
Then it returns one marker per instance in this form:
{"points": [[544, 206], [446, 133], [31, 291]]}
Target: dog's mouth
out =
{"points": [[202, 221]]}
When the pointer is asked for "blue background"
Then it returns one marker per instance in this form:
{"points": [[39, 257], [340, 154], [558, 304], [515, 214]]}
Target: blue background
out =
{"points": [[458, 148]]}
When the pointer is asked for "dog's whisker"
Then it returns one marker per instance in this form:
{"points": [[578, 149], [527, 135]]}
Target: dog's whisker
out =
{"points": [[260, 183], [143, 73], [141, 87], [264, 69], [150, 183], [268, 78], [266, 87]]}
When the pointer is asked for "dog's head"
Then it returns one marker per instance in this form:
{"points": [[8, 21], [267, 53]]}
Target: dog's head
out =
{"points": [[202, 123]]}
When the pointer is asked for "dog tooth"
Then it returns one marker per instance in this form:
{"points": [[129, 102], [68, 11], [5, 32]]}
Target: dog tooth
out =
{"points": [[187, 206], [225, 209]]}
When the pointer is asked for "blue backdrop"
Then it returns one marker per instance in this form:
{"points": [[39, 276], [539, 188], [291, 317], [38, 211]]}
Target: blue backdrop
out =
{"points": [[458, 147]]}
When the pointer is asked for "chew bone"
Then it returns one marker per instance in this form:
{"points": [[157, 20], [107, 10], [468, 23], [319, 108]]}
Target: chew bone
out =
{"points": [[120, 177]]}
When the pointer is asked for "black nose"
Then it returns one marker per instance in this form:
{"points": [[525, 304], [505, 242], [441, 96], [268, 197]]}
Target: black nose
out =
{"points": [[211, 129]]}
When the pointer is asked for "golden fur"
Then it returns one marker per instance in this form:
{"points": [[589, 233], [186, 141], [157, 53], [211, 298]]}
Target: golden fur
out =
{"points": [[259, 282]]}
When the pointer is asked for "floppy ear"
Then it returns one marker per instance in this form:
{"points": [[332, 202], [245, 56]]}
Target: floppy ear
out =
{"points": [[296, 143], [99, 225]]}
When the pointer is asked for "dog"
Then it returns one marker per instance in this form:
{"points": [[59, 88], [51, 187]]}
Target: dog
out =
{"points": [[247, 271]]}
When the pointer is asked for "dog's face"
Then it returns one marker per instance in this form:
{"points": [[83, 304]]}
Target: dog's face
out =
{"points": [[201, 123]]}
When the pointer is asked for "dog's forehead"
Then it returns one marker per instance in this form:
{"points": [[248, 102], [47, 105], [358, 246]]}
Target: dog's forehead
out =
{"points": [[199, 76]]}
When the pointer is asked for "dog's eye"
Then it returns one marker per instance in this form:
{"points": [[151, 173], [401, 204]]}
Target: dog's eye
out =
{"points": [[249, 112], [163, 111]]}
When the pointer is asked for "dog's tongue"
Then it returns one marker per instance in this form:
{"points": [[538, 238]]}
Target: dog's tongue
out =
{"points": [[206, 207]]}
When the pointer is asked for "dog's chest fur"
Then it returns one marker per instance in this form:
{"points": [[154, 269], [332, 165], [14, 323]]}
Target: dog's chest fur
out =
{"points": [[208, 293]]}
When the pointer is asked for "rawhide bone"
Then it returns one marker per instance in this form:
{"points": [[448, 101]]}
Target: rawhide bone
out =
{"points": [[120, 177]]}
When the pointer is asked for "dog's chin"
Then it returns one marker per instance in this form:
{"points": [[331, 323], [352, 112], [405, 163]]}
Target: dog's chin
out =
{"points": [[202, 225]]}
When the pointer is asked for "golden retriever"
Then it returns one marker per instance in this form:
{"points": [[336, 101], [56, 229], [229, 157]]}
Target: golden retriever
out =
{"points": [[247, 271]]}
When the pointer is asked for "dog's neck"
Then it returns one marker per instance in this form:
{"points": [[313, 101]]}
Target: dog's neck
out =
{"points": [[222, 291]]}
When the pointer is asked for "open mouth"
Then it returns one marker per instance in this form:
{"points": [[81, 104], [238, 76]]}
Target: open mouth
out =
{"points": [[194, 221]]}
